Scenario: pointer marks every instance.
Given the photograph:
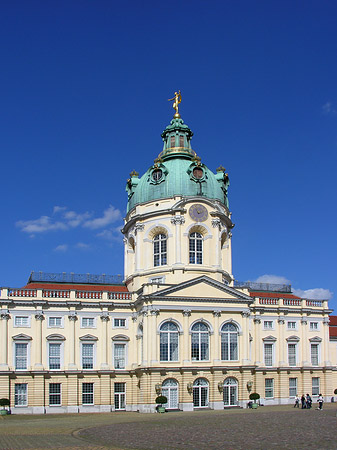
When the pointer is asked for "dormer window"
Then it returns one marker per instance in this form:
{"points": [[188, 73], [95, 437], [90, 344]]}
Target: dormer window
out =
{"points": [[173, 141], [157, 174], [181, 141], [198, 173]]}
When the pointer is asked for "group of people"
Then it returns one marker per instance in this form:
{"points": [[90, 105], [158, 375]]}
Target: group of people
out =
{"points": [[306, 402]]}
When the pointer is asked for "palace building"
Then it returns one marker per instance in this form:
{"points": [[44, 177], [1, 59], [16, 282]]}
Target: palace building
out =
{"points": [[179, 324]]}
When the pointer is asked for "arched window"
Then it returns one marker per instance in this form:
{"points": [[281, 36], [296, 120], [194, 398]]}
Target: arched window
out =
{"points": [[170, 391], [230, 392], [159, 250], [229, 342], [200, 393], [195, 248], [169, 340], [200, 342]]}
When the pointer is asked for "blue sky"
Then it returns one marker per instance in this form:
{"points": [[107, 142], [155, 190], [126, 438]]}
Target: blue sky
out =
{"points": [[84, 88]]}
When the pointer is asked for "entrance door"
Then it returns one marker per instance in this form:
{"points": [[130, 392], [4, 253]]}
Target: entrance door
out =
{"points": [[230, 392], [200, 393], [170, 390], [119, 396]]}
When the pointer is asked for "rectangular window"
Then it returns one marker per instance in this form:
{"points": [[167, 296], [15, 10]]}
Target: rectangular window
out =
{"points": [[314, 354], [87, 356], [88, 393], [292, 354], [20, 397], [88, 322], [54, 356], [291, 325], [292, 387], [268, 324], [269, 388], [181, 141], [313, 326], [55, 394], [21, 351], [119, 323], [55, 322], [268, 354], [173, 141], [119, 396], [119, 356], [21, 321], [315, 385]]}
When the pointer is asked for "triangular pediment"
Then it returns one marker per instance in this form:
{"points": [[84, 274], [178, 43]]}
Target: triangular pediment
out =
{"points": [[315, 339], [88, 337], [21, 337], [269, 339], [203, 288]]}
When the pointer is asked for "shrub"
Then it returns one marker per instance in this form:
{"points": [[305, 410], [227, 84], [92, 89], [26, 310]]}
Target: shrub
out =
{"points": [[254, 396], [4, 402], [161, 399], [335, 391]]}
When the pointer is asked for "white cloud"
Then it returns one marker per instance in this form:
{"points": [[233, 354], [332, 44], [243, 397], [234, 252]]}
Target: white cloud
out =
{"points": [[74, 219], [110, 215], [328, 108], [83, 246], [272, 279], [112, 234], [314, 294], [41, 225], [61, 248], [58, 209]]}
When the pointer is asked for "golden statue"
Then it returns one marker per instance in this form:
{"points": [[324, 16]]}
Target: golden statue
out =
{"points": [[177, 100]]}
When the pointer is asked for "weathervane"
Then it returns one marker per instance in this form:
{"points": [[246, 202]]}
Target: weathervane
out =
{"points": [[177, 100]]}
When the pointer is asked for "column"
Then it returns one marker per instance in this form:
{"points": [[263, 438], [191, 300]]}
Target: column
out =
{"points": [[145, 338], [258, 343], [186, 347], [126, 270], [304, 342], [282, 343], [178, 221], [216, 351], [39, 343], [72, 342], [154, 336], [4, 317], [138, 227], [326, 359], [216, 224], [105, 347], [245, 337]]}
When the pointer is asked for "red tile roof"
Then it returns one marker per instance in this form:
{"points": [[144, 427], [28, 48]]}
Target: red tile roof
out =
{"points": [[333, 320], [77, 287], [272, 295]]}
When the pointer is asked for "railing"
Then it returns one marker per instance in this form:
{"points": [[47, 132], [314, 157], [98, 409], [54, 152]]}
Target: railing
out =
{"points": [[292, 302], [119, 296], [314, 302], [268, 301], [76, 278], [89, 294], [263, 286], [55, 294], [21, 292]]}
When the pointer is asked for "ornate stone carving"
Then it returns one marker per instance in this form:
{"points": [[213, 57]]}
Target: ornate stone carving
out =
{"points": [[105, 317], [326, 321], [178, 220], [245, 313], [216, 313], [39, 316], [281, 320], [139, 227], [216, 223], [304, 321], [154, 311], [72, 317], [257, 319], [134, 317], [5, 316], [187, 312]]}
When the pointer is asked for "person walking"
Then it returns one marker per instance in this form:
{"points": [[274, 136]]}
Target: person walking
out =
{"points": [[303, 401], [308, 401], [320, 402], [297, 401]]}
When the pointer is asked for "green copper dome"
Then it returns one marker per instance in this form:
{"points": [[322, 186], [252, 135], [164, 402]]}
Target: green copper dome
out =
{"points": [[177, 171]]}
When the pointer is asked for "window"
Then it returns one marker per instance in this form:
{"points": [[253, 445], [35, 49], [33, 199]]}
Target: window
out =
{"points": [[229, 342], [195, 248], [292, 354], [159, 250], [268, 354], [21, 321], [119, 323], [200, 393], [87, 393], [54, 356], [119, 356], [269, 387], [119, 396], [230, 392], [313, 326], [157, 174], [315, 385], [20, 396], [21, 354], [88, 322], [181, 141], [292, 387], [87, 356], [157, 280], [291, 325], [268, 324], [173, 141], [200, 342], [314, 354], [55, 394], [55, 322], [170, 391], [169, 339]]}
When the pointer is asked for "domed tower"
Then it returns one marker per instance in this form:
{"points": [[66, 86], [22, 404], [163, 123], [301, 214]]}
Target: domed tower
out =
{"points": [[178, 223]]}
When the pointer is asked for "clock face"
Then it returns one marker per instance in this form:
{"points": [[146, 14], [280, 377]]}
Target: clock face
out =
{"points": [[198, 213]]}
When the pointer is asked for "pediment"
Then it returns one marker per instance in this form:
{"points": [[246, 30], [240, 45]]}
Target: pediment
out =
{"points": [[55, 337], [269, 339], [293, 338], [88, 337], [21, 337], [315, 339], [203, 288], [120, 337]]}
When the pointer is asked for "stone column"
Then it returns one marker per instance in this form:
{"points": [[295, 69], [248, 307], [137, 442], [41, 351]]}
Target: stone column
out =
{"points": [[154, 315], [258, 342], [4, 316], [178, 221], [39, 344], [105, 347], [216, 224], [216, 351], [72, 342], [145, 339], [326, 338], [186, 346], [126, 269], [305, 342], [138, 228], [245, 338], [282, 344]]}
